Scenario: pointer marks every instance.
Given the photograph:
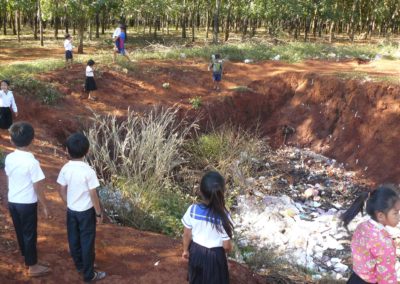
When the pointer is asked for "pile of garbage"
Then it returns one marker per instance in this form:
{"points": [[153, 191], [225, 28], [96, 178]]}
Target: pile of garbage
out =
{"points": [[294, 208]]}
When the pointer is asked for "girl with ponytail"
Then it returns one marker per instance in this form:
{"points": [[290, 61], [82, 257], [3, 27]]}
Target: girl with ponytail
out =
{"points": [[207, 233], [372, 247]]}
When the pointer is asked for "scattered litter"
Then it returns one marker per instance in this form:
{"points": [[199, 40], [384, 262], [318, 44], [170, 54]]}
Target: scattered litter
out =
{"points": [[157, 263], [247, 61], [165, 85], [276, 57], [294, 207]]}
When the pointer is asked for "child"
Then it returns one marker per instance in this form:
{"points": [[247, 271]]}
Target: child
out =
{"points": [[7, 102], [68, 51], [120, 44], [90, 83], [216, 66], [373, 250], [78, 183], [207, 233], [23, 173]]}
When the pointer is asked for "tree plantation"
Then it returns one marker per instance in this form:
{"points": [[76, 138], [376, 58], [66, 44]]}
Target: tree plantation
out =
{"points": [[301, 19]]}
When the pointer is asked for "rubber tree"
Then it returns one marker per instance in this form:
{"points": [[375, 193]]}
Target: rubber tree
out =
{"points": [[216, 21]]}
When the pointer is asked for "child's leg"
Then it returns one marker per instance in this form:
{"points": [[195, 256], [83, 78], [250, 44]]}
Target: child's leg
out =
{"points": [[29, 229], [17, 226], [87, 228], [74, 240]]}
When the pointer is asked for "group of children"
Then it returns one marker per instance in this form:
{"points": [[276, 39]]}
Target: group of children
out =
{"points": [[78, 183]]}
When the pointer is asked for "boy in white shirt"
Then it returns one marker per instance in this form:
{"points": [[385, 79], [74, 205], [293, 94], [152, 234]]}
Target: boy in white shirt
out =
{"points": [[68, 51], [23, 174], [78, 183]]}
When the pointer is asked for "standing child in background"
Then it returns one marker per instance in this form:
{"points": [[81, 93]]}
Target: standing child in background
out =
{"points": [[90, 83], [120, 45], [23, 174], [216, 67], [116, 34], [373, 249], [78, 183], [7, 102], [68, 51], [207, 233]]}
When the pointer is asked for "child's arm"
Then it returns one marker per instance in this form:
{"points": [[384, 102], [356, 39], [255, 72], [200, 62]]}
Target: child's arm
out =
{"points": [[41, 198], [227, 245], [14, 105], [63, 193], [187, 238], [96, 204]]}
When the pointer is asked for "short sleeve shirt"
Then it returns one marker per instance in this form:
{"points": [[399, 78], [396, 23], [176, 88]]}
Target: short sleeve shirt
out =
{"points": [[204, 231], [89, 71], [22, 170], [79, 178]]}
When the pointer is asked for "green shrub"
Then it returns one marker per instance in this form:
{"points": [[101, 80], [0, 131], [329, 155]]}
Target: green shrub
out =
{"points": [[44, 92], [196, 102], [2, 159]]}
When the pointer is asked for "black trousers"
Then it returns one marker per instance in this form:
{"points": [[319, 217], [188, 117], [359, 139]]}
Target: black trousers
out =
{"points": [[355, 279], [24, 217], [81, 227]]}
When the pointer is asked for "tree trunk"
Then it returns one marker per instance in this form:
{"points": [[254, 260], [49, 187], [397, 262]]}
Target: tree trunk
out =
{"points": [[56, 21], [208, 20], [12, 21], [40, 22], [97, 24], [103, 21], [228, 21], [90, 29], [216, 21], [5, 22], [192, 16], [81, 29], [183, 20], [18, 24], [331, 33]]}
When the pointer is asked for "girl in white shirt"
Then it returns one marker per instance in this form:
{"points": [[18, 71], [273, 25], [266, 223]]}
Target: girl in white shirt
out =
{"points": [[207, 234], [7, 103], [90, 83]]}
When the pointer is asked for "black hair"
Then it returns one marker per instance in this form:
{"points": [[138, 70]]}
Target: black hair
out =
{"points": [[217, 56], [90, 62], [6, 81], [67, 36], [381, 199], [212, 188], [22, 133], [77, 145]]}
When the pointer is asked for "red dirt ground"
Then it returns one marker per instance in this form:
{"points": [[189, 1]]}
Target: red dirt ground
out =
{"points": [[354, 122]]}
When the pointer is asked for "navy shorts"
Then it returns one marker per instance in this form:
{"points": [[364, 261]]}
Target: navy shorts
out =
{"points": [[68, 54], [217, 77]]}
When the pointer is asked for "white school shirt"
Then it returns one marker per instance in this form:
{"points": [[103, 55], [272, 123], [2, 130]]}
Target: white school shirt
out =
{"points": [[203, 233], [89, 71], [22, 170], [7, 100], [79, 178], [67, 45], [117, 32]]}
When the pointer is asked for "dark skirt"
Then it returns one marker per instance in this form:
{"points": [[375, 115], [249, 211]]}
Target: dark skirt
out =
{"points": [[355, 279], [207, 265], [90, 84], [5, 117]]}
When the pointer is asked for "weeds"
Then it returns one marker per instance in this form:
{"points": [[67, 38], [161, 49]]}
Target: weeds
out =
{"points": [[196, 102], [135, 157], [45, 92]]}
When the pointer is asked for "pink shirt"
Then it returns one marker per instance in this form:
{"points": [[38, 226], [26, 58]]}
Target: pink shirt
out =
{"points": [[374, 253]]}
